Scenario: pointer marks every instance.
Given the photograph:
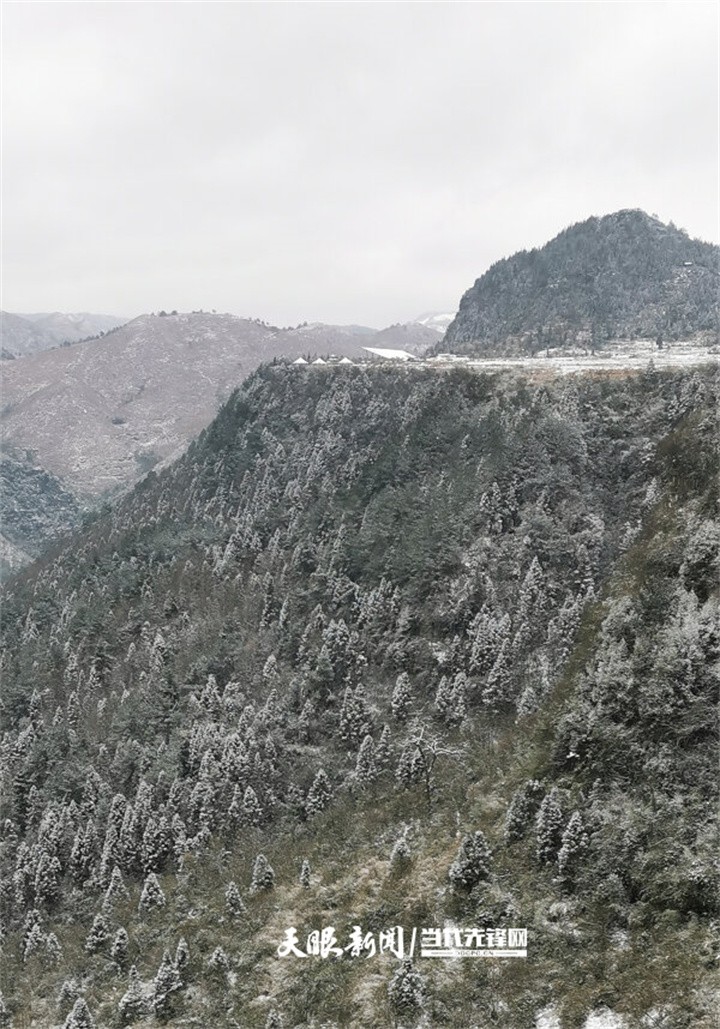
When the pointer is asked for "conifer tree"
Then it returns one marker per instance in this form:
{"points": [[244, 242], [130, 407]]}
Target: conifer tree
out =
{"points": [[472, 862], [251, 809], [406, 990], [119, 948], [98, 936], [548, 828], [218, 963], [274, 1020], [165, 986], [382, 750], [263, 876], [305, 874], [152, 895], [400, 856], [233, 900], [319, 793], [401, 698], [573, 846], [365, 767], [182, 957], [79, 1017], [132, 1005], [522, 809]]}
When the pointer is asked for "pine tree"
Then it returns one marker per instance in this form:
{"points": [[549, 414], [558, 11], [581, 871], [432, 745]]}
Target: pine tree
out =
{"points": [[79, 1017], [218, 963], [406, 990], [116, 890], [47, 880], [252, 811], [400, 857], [263, 876], [365, 768], [522, 809], [574, 845], [119, 948], [68, 994], [472, 862], [305, 874], [548, 828], [354, 717], [382, 750], [401, 698], [132, 1005], [274, 1020], [53, 950], [167, 983], [152, 895], [182, 957], [233, 901], [98, 936], [319, 794]]}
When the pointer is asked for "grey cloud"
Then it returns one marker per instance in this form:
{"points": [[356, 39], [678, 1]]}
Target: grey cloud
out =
{"points": [[343, 162]]}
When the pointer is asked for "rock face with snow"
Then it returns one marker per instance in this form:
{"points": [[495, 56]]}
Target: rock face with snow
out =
{"points": [[623, 276]]}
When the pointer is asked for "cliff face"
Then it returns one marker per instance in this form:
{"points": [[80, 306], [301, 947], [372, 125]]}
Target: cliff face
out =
{"points": [[623, 276]]}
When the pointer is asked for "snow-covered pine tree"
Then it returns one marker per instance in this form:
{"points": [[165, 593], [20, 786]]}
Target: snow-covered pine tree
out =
{"points": [[365, 767], [182, 957], [401, 698], [132, 1005], [152, 895], [549, 828], [98, 936], [472, 862], [305, 874], [406, 990], [522, 809], [166, 985], [263, 876], [79, 1017], [233, 901], [573, 846], [119, 948], [319, 794]]}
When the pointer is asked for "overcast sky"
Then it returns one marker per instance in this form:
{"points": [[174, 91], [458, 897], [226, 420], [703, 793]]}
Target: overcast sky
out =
{"points": [[339, 162]]}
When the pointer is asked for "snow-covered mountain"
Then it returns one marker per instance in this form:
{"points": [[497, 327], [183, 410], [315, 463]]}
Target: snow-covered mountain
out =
{"points": [[436, 320], [31, 333]]}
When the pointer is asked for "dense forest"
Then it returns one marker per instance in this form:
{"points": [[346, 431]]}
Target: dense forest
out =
{"points": [[622, 276], [386, 647]]}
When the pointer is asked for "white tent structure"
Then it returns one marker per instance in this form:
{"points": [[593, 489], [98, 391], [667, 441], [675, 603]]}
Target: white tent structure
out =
{"points": [[390, 355], [299, 360]]}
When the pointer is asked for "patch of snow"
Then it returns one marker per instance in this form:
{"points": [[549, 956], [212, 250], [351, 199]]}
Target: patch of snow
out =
{"points": [[604, 1018]]}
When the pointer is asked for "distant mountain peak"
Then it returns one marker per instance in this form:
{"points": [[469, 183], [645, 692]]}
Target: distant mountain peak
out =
{"points": [[624, 275]]}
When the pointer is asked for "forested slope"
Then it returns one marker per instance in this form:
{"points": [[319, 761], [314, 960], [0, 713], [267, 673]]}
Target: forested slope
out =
{"points": [[449, 638]]}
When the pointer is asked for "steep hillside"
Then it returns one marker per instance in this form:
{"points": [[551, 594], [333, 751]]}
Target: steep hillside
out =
{"points": [[99, 414], [624, 276], [386, 647], [36, 509]]}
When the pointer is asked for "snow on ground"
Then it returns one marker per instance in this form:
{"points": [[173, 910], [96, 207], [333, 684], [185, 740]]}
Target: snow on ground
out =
{"points": [[603, 1018]]}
